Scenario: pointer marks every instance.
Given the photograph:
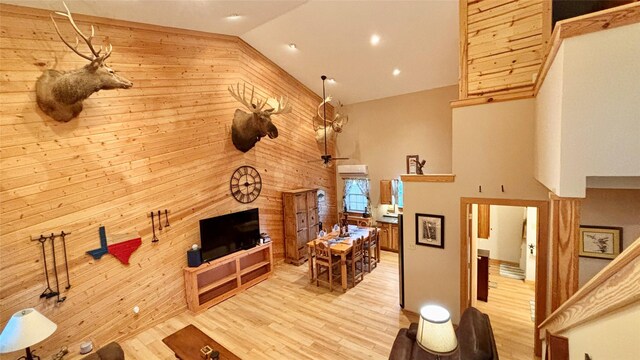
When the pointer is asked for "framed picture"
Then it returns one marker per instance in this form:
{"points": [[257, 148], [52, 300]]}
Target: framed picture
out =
{"points": [[602, 242], [412, 164], [430, 230]]}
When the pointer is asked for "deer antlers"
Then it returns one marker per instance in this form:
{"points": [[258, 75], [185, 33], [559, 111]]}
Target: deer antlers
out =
{"points": [[282, 108], [96, 54]]}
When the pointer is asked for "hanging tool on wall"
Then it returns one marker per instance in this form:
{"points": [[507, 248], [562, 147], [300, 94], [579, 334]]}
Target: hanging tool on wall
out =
{"points": [[166, 216], [153, 228], [66, 261], [159, 220], [55, 268], [48, 292]]}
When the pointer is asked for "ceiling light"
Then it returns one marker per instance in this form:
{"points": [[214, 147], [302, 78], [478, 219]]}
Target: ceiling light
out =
{"points": [[332, 81], [396, 72], [375, 39], [293, 46], [234, 17]]}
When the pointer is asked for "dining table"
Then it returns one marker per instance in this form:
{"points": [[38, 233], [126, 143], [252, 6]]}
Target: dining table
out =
{"points": [[340, 246]]}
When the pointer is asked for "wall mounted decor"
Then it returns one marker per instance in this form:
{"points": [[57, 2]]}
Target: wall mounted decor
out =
{"points": [[332, 127], [60, 94], [248, 128], [245, 184], [602, 242], [430, 230], [121, 251]]}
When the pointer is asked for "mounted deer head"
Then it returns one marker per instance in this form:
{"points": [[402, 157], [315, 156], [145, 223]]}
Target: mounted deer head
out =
{"points": [[248, 128], [334, 126], [60, 94]]}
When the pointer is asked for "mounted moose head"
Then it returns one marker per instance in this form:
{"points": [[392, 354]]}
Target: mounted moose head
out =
{"points": [[334, 126], [248, 128], [60, 94]]}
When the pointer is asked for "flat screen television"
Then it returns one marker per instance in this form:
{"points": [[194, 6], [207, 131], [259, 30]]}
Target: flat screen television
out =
{"points": [[226, 234]]}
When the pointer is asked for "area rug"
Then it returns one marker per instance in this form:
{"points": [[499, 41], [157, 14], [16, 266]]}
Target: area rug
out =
{"points": [[512, 272]]}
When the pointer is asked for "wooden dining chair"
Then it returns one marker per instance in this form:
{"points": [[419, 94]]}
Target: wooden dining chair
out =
{"points": [[355, 258], [371, 250], [326, 263]]}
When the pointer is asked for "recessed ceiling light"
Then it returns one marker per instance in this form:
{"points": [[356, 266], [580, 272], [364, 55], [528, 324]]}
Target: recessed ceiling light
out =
{"points": [[396, 72], [293, 46], [331, 81], [375, 39], [234, 17]]}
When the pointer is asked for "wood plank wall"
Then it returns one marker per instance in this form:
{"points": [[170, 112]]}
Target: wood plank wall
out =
{"points": [[163, 144], [502, 43]]}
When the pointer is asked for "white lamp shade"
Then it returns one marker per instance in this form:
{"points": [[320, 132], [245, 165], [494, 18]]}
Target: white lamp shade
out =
{"points": [[435, 331], [25, 328]]}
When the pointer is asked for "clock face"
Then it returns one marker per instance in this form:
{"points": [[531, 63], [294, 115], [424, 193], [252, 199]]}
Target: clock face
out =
{"points": [[245, 184]]}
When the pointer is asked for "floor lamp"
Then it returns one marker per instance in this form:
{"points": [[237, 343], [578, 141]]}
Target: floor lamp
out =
{"points": [[25, 328]]}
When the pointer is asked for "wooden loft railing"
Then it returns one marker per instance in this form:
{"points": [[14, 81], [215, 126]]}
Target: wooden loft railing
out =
{"points": [[613, 288], [580, 25]]}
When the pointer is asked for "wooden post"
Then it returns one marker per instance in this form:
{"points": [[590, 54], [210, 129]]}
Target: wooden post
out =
{"points": [[565, 230]]}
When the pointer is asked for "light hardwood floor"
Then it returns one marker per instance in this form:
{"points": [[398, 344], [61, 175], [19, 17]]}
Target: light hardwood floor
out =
{"points": [[509, 311], [285, 317]]}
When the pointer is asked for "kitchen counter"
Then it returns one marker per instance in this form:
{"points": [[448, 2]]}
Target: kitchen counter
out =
{"points": [[387, 220]]}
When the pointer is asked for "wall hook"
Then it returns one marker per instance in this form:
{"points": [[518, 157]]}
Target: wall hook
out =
{"points": [[502, 187], [479, 188]]}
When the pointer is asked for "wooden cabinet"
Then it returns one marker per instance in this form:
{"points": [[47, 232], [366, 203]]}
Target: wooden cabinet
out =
{"points": [[217, 280], [300, 223], [357, 220], [389, 239], [394, 237], [484, 223], [385, 192]]}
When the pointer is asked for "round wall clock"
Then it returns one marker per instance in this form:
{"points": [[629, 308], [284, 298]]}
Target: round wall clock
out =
{"points": [[245, 184]]}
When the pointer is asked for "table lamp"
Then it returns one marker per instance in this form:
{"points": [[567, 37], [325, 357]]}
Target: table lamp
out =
{"points": [[435, 332], [25, 328]]}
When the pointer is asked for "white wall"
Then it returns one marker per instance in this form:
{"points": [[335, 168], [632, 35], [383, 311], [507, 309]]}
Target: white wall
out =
{"points": [[614, 336], [609, 207], [596, 75], [505, 235], [548, 114], [492, 146], [381, 133]]}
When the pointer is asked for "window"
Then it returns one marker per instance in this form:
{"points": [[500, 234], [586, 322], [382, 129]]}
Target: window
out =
{"points": [[397, 189], [400, 194], [356, 194]]}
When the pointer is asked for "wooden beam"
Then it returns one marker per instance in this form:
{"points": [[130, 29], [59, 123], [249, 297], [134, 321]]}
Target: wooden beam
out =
{"points": [[428, 178], [462, 83]]}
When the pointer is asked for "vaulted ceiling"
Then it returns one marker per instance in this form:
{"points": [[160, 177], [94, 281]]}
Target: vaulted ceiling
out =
{"points": [[419, 38]]}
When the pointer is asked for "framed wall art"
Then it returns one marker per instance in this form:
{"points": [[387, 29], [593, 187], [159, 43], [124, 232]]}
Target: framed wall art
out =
{"points": [[602, 242], [430, 230], [412, 164]]}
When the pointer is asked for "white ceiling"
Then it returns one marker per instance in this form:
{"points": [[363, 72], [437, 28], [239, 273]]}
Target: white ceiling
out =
{"points": [[418, 37]]}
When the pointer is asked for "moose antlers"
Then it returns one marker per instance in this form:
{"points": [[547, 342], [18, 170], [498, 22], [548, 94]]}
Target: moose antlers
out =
{"points": [[95, 54], [256, 108]]}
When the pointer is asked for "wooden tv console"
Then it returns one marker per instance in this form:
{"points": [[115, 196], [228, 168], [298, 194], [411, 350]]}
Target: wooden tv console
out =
{"points": [[217, 280]]}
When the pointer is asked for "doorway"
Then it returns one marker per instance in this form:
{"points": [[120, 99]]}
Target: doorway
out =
{"points": [[538, 212]]}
